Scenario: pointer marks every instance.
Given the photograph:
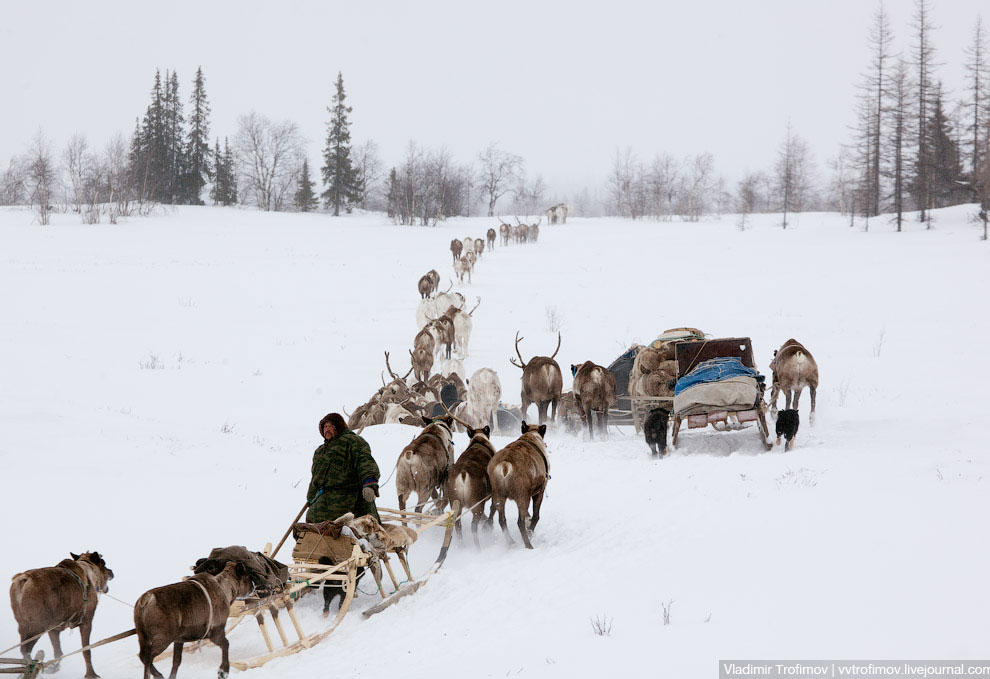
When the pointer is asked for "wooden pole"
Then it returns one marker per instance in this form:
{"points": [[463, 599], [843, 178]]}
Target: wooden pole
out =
{"points": [[286, 536]]}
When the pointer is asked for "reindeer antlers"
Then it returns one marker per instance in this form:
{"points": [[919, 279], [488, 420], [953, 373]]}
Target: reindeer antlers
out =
{"points": [[394, 376], [456, 418], [522, 363], [475, 307], [558, 346]]}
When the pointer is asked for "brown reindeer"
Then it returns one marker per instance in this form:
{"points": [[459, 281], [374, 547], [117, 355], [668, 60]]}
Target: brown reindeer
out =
{"points": [[594, 389], [187, 611], [456, 247], [505, 231], [794, 368], [533, 232], [434, 276], [446, 334], [423, 464], [542, 382], [468, 482], [54, 599], [425, 287], [490, 237], [422, 363], [462, 268], [479, 246], [519, 472]]}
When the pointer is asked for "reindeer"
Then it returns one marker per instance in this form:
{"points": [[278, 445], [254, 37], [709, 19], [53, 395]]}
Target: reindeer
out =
{"points": [[462, 327], [519, 472], [422, 362], [452, 366], [594, 389], [423, 464], [187, 611], [425, 287], [467, 481], [447, 299], [479, 246], [434, 277], [484, 393], [444, 328], [505, 231], [490, 236], [61, 597], [542, 382], [456, 247], [472, 258], [468, 243], [794, 368], [560, 211], [533, 231], [551, 215], [462, 268]]}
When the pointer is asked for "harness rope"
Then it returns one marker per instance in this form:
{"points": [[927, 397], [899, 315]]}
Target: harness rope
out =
{"points": [[209, 603]]}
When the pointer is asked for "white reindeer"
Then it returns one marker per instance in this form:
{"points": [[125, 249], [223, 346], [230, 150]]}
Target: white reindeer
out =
{"points": [[484, 393]]}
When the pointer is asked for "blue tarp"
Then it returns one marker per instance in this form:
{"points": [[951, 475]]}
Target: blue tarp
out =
{"points": [[714, 370]]}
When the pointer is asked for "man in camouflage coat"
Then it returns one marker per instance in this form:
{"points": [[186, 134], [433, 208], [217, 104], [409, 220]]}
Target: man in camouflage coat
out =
{"points": [[345, 475]]}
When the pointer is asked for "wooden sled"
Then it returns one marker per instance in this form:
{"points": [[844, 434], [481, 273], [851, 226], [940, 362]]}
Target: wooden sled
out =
{"points": [[689, 355], [307, 574]]}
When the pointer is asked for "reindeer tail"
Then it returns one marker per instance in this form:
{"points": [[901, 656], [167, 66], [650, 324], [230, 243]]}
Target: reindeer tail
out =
{"points": [[504, 469]]}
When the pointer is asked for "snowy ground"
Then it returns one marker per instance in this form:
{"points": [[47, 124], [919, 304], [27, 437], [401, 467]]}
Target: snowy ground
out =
{"points": [[162, 381]]}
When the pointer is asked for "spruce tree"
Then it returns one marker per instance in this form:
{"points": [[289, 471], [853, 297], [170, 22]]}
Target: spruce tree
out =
{"points": [[197, 151], [230, 175], [305, 199], [339, 174], [944, 157], [216, 192], [175, 153]]}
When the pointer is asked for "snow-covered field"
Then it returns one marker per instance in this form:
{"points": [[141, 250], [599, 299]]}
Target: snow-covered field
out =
{"points": [[161, 382]]}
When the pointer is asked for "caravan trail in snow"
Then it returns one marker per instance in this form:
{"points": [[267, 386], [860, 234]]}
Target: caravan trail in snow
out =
{"points": [[162, 379]]}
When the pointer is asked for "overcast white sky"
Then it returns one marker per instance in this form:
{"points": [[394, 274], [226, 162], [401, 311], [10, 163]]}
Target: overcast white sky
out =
{"points": [[561, 83]]}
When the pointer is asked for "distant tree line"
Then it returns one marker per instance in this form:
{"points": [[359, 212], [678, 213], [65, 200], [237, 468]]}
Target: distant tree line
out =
{"points": [[912, 148]]}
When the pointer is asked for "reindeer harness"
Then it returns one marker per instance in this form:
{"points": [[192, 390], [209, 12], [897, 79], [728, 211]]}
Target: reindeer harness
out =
{"points": [[77, 619], [209, 604]]}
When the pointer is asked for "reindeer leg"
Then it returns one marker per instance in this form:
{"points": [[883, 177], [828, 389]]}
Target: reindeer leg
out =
{"points": [[176, 659], [502, 522], [84, 631], [812, 418], [475, 520], [537, 501], [56, 649], [460, 534], [553, 416], [542, 408], [525, 406], [220, 639], [26, 647], [402, 506], [797, 397], [522, 522]]}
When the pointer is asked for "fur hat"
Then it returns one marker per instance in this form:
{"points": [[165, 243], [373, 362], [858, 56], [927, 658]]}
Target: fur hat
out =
{"points": [[337, 420]]}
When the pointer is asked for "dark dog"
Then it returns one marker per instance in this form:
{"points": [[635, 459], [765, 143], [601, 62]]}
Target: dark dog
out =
{"points": [[788, 422], [655, 430], [334, 589]]}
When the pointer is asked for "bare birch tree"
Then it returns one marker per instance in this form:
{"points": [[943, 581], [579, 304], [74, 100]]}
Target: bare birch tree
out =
{"points": [[498, 175], [42, 177], [269, 157]]}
